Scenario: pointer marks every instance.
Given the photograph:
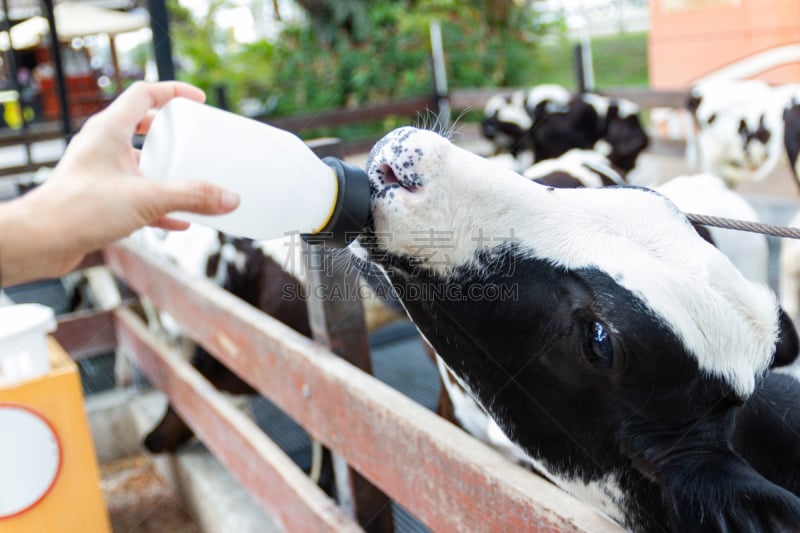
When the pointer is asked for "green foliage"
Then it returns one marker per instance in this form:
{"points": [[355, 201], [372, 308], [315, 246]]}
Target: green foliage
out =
{"points": [[621, 60], [355, 53], [393, 59], [208, 56]]}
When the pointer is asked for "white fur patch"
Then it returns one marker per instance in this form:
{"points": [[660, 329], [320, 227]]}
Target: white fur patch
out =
{"points": [[626, 108], [603, 147], [575, 163], [515, 115], [605, 494], [598, 102], [636, 237], [556, 96], [708, 195]]}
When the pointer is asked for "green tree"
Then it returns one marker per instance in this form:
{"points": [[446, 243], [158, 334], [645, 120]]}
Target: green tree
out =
{"points": [[347, 54]]}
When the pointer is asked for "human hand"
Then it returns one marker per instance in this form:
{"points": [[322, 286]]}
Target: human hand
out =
{"points": [[97, 194]]}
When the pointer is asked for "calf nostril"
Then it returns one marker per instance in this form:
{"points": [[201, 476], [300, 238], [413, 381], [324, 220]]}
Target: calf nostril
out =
{"points": [[387, 175]]}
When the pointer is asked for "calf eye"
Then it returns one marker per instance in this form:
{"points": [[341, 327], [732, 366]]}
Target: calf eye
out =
{"points": [[600, 349]]}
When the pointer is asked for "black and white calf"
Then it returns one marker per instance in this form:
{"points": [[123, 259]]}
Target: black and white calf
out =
{"points": [[623, 353], [269, 275], [506, 123], [591, 121], [739, 129], [550, 121], [791, 138], [249, 270]]}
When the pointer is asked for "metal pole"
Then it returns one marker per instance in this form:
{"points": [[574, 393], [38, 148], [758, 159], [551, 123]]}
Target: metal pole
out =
{"points": [[586, 47], [440, 75], [577, 57], [12, 67], [162, 44], [55, 51], [222, 96], [112, 45]]}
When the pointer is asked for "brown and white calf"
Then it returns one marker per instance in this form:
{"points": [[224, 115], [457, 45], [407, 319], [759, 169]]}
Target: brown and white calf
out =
{"points": [[624, 354]]}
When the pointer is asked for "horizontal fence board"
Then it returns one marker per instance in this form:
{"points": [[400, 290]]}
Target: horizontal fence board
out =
{"points": [[342, 117], [86, 334], [33, 133], [449, 480], [645, 98], [26, 168], [274, 481]]}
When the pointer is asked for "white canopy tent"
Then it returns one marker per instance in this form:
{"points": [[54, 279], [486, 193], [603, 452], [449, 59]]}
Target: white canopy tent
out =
{"points": [[74, 20]]}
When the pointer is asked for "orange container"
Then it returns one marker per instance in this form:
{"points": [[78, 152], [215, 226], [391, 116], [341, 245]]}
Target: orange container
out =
{"points": [[54, 481]]}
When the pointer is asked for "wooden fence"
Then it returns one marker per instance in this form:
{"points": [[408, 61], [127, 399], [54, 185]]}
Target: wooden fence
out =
{"points": [[406, 453], [450, 481]]}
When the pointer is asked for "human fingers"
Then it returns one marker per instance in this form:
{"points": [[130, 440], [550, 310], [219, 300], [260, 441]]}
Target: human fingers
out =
{"points": [[130, 107], [170, 224], [144, 124], [194, 197]]}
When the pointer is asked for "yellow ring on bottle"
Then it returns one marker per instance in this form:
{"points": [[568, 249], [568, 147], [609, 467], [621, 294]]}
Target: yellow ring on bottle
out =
{"points": [[333, 205]]}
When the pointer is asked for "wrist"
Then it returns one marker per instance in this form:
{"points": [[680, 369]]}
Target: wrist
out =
{"points": [[27, 249]]}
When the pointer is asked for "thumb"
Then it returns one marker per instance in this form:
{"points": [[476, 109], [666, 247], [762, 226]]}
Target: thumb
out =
{"points": [[196, 197]]}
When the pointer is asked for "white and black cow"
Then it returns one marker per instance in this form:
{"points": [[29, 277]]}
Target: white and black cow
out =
{"points": [[738, 129], [624, 354], [506, 123], [586, 168], [591, 121], [242, 267], [791, 134], [269, 275], [550, 121]]}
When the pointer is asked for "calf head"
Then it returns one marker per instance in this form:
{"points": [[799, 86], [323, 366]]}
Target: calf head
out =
{"points": [[506, 123], [754, 138], [791, 135], [625, 134], [576, 125], [600, 332]]}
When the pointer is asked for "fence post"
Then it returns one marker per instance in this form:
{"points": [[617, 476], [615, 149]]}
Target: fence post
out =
{"points": [[221, 93], [162, 42], [337, 321], [440, 76], [55, 51], [580, 78]]}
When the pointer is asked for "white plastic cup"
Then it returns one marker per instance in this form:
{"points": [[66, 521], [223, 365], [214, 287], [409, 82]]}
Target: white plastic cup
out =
{"points": [[23, 341]]}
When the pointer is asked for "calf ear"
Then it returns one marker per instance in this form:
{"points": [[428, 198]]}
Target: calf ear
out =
{"points": [[724, 493], [788, 344]]}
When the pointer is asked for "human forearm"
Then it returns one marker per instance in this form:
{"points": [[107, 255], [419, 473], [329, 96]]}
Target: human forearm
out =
{"points": [[28, 247]]}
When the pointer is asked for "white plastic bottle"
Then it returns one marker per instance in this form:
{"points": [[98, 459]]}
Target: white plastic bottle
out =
{"points": [[283, 186]]}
